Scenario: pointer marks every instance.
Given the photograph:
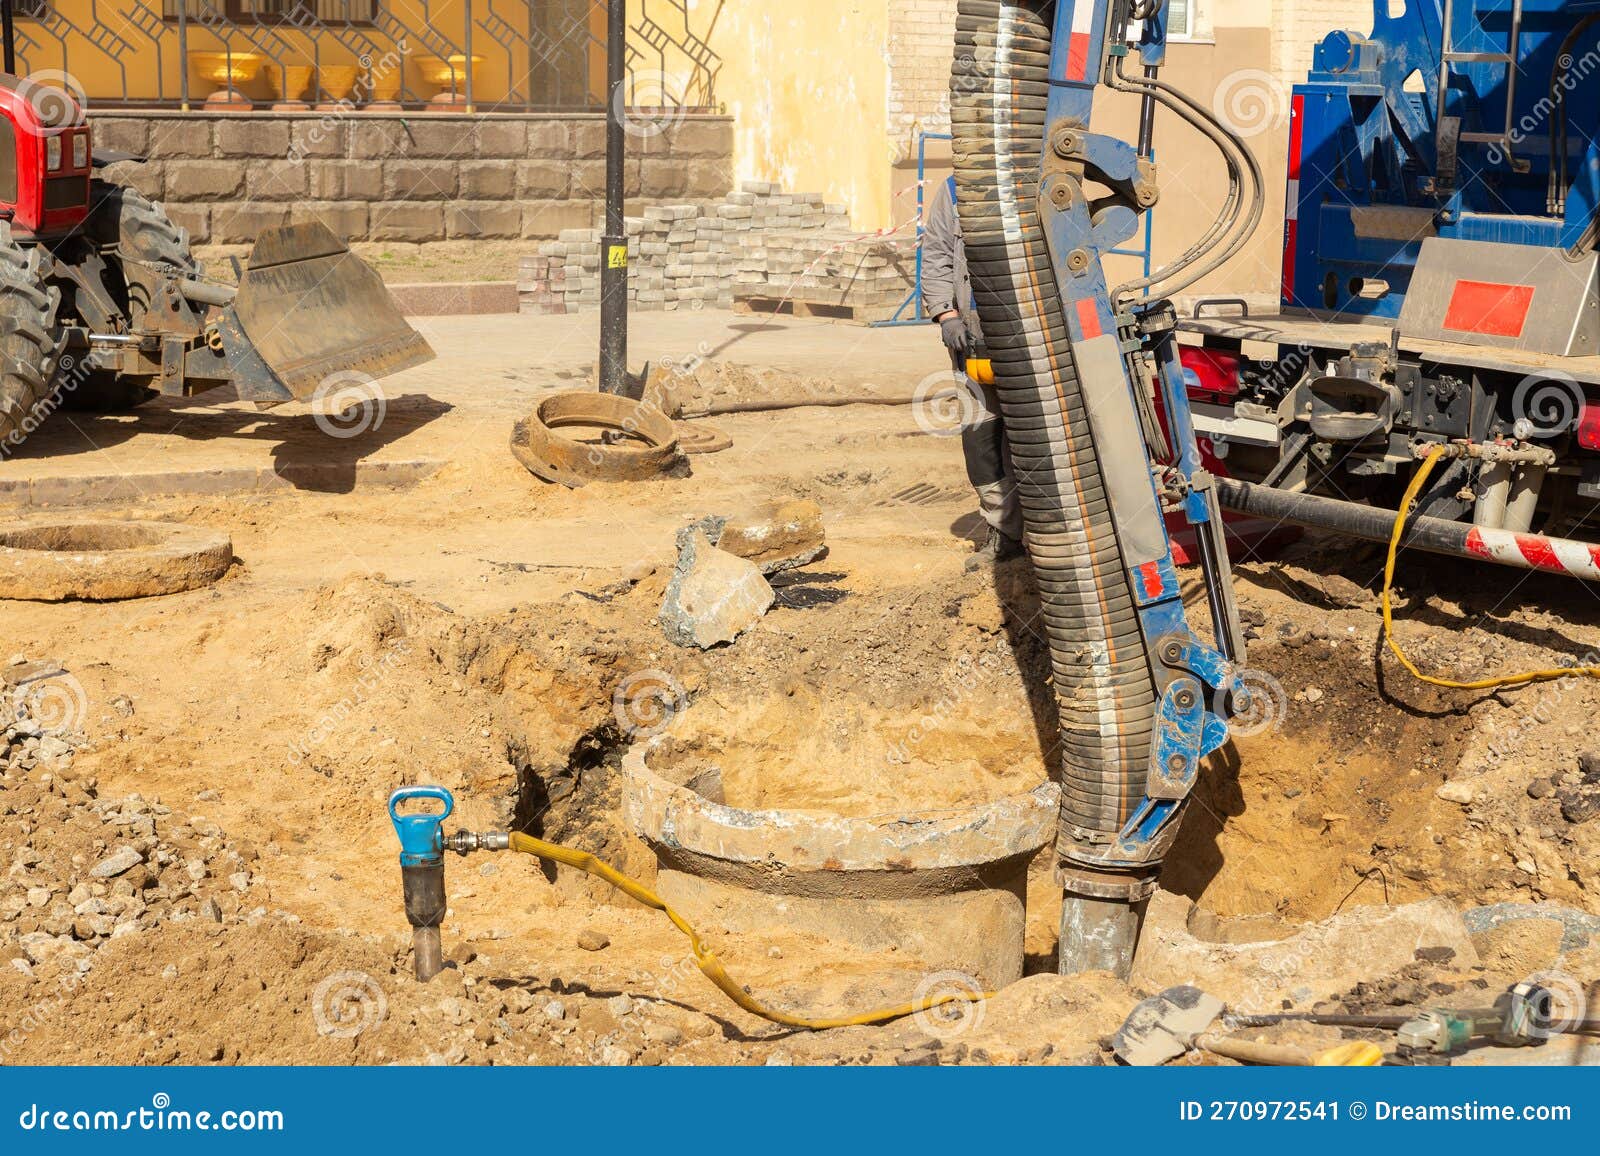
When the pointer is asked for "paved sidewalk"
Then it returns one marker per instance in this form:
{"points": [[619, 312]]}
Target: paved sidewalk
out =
{"points": [[487, 374]]}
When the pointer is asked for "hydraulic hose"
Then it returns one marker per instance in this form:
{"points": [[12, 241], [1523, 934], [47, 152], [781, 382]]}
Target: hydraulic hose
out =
{"points": [[1551, 674], [1234, 153], [706, 959], [1105, 692]]}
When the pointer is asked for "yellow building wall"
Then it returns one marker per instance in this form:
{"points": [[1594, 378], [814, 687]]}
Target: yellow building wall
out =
{"points": [[807, 86]]}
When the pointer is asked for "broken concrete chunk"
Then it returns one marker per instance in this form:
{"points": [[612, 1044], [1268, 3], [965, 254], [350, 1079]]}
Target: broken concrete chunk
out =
{"points": [[776, 536], [1314, 962], [123, 859], [714, 596]]}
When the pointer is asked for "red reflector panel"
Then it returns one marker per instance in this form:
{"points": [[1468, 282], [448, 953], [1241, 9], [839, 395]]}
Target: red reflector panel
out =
{"points": [[1589, 427], [1488, 309], [1089, 319], [1216, 369]]}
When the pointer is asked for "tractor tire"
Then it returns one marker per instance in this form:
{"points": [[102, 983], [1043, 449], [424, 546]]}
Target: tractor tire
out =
{"points": [[30, 342], [135, 228], [139, 228]]}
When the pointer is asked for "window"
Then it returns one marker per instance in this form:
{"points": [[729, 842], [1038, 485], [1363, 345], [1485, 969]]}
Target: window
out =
{"points": [[1183, 21], [272, 11]]}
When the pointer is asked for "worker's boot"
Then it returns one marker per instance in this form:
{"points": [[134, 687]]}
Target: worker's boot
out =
{"points": [[1000, 547]]}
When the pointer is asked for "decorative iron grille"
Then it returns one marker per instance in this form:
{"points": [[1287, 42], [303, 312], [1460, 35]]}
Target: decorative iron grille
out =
{"points": [[526, 55]]}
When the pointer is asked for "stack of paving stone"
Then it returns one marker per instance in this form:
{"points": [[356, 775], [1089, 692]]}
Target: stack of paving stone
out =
{"points": [[757, 244]]}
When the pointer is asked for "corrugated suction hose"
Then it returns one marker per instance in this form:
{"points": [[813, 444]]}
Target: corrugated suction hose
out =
{"points": [[1104, 689]]}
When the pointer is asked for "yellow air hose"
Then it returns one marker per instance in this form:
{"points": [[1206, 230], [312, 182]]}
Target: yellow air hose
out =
{"points": [[1532, 676], [704, 958]]}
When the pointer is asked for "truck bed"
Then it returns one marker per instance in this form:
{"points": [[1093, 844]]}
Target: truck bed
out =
{"points": [[1302, 329]]}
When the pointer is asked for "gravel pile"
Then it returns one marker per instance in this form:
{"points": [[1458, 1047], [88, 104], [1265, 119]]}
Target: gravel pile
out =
{"points": [[81, 870]]}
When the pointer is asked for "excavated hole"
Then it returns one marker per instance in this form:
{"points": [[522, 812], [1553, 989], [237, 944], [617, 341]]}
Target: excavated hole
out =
{"points": [[1334, 808]]}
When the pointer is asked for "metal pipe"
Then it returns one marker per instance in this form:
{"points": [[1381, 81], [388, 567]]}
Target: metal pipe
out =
{"points": [[183, 54], [614, 244], [1494, 490], [1147, 116], [1524, 500], [207, 292], [1435, 535], [467, 49], [1099, 934]]}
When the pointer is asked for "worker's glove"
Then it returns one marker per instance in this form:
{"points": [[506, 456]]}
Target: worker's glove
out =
{"points": [[956, 338]]}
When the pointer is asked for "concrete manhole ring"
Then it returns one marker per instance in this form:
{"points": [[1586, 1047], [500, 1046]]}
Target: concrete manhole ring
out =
{"points": [[637, 441], [702, 439], [947, 887], [106, 561]]}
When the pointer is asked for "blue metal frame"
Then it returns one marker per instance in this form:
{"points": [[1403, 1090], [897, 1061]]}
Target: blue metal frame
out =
{"points": [[915, 297], [1365, 142]]}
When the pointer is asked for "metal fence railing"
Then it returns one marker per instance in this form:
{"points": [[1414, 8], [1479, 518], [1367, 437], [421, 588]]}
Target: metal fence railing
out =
{"points": [[480, 55]]}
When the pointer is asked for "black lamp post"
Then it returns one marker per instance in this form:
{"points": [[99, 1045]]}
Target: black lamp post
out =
{"points": [[614, 241], [8, 30]]}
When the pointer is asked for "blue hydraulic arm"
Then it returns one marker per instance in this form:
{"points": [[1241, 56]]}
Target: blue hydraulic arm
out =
{"points": [[1125, 351]]}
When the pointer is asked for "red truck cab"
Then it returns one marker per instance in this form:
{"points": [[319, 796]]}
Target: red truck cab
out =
{"points": [[45, 158]]}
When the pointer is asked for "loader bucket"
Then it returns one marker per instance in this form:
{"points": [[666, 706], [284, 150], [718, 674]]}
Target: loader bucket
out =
{"points": [[308, 309]]}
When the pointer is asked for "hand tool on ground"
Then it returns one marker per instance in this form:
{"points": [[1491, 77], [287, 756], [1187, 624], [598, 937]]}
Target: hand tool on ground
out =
{"points": [[1179, 1020]]}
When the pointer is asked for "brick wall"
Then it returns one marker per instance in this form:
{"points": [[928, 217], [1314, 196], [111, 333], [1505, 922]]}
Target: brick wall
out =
{"points": [[428, 177], [921, 45], [1300, 25]]}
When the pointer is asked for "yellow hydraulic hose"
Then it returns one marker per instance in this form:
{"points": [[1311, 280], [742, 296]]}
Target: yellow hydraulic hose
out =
{"points": [[1527, 678], [707, 960]]}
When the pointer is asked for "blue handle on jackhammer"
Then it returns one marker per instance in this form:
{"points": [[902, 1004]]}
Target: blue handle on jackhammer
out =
{"points": [[421, 836]]}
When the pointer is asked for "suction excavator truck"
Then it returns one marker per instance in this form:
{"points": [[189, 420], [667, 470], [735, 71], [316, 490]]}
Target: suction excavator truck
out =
{"points": [[1439, 271], [103, 306]]}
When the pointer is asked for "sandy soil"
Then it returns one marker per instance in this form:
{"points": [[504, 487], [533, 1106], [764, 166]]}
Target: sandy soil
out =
{"points": [[474, 632]]}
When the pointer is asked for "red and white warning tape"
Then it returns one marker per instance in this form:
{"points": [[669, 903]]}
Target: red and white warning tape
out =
{"points": [[1536, 552]]}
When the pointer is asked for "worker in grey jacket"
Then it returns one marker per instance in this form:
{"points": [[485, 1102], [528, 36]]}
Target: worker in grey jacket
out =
{"points": [[947, 298]]}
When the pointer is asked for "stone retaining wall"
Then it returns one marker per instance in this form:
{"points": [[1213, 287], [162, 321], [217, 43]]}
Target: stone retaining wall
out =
{"points": [[411, 178]]}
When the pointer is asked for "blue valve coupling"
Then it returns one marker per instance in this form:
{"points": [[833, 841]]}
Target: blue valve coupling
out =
{"points": [[421, 834]]}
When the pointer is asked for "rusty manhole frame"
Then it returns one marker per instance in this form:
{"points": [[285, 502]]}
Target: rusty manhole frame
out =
{"points": [[651, 451]]}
